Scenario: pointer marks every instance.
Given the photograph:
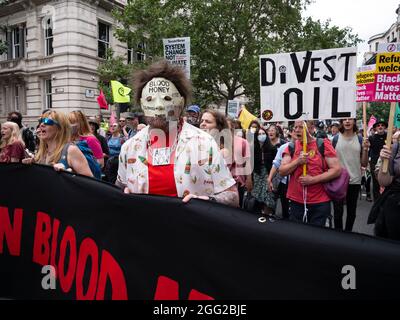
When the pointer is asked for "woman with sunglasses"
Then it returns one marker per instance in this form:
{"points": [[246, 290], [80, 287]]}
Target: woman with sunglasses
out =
{"points": [[54, 141], [11, 146]]}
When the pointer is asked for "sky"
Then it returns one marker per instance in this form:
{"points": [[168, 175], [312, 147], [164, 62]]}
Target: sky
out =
{"points": [[365, 17]]}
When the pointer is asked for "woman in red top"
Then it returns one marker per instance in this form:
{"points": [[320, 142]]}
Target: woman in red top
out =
{"points": [[11, 146]]}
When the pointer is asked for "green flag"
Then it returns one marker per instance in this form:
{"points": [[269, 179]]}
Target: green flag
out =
{"points": [[397, 116], [120, 93]]}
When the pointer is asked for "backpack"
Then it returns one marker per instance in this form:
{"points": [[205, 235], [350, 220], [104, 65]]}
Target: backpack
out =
{"points": [[336, 189], [29, 139], [87, 152]]}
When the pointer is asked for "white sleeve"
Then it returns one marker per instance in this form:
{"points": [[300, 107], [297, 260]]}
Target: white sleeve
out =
{"points": [[122, 166], [221, 176]]}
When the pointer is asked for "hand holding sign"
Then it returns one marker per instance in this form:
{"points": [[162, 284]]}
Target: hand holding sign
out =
{"points": [[386, 153], [307, 180], [302, 159]]}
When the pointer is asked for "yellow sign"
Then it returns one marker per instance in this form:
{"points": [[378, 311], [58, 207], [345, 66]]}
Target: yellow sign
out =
{"points": [[388, 62], [246, 118], [365, 77]]}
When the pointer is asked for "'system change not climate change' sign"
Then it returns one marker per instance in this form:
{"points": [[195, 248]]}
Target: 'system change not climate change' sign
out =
{"points": [[308, 85], [177, 52]]}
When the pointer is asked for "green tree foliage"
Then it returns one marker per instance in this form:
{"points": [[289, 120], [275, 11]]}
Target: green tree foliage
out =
{"points": [[3, 44], [380, 110], [317, 35], [3, 47], [227, 37]]}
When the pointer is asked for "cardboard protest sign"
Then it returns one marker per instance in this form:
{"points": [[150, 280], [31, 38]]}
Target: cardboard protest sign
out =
{"points": [[233, 108], [365, 80], [177, 52], [387, 77], [308, 85], [387, 81]]}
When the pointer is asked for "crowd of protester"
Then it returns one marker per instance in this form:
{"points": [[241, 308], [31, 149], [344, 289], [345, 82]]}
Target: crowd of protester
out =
{"points": [[258, 158], [263, 162]]}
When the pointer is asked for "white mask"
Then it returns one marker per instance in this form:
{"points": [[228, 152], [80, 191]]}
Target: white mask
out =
{"points": [[262, 138], [253, 130], [239, 134], [160, 97]]}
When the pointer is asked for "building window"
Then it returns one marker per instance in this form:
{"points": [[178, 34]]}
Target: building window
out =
{"points": [[388, 39], [17, 105], [26, 42], [103, 40], [16, 43], [130, 56], [137, 54], [48, 37], [376, 46], [48, 96], [4, 101]]}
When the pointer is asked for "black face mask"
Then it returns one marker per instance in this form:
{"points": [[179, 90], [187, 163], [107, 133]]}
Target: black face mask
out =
{"points": [[192, 120]]}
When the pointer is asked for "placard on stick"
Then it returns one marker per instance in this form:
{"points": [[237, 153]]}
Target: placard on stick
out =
{"points": [[308, 85]]}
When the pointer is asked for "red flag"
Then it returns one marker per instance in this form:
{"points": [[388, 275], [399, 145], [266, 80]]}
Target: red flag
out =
{"points": [[101, 100], [371, 122]]}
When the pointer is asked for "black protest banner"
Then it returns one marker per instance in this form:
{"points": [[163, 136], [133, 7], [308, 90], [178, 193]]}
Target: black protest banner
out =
{"points": [[104, 244]]}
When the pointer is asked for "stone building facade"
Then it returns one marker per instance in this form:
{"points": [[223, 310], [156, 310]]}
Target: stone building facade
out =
{"points": [[54, 49]]}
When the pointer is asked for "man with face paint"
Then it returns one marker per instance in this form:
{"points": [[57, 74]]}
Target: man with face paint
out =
{"points": [[169, 156]]}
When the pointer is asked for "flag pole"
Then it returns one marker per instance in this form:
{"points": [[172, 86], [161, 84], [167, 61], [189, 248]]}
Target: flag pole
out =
{"points": [[385, 165], [365, 119], [117, 110], [305, 146]]}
